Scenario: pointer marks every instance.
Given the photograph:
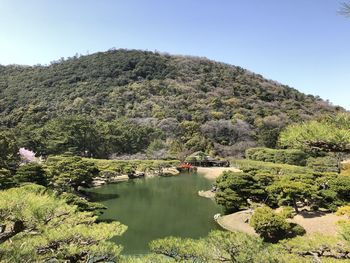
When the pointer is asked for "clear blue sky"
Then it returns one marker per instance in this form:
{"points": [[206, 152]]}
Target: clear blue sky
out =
{"points": [[302, 43]]}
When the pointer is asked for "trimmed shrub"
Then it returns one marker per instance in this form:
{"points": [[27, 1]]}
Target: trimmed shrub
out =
{"points": [[273, 168], [288, 156], [272, 226]]}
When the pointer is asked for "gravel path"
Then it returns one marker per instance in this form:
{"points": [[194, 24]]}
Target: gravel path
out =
{"points": [[318, 222]]}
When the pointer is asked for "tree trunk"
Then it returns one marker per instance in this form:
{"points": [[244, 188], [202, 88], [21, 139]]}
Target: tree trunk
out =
{"points": [[339, 157], [17, 228], [295, 206]]}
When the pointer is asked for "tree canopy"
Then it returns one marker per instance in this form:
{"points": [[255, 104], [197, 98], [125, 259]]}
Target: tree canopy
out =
{"points": [[37, 226], [9, 156], [345, 9], [329, 134], [71, 172], [31, 173]]}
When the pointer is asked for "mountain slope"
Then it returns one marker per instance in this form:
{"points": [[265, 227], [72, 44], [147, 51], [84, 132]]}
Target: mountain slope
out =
{"points": [[158, 90]]}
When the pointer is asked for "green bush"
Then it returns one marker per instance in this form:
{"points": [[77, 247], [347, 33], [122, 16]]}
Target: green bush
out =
{"points": [[259, 154], [296, 230], [272, 226], [268, 224], [288, 156]]}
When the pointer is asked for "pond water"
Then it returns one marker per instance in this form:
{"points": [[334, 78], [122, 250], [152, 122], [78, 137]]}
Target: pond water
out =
{"points": [[158, 207]]}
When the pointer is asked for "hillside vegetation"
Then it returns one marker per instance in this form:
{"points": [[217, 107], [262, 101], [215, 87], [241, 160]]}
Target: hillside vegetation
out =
{"points": [[195, 102]]}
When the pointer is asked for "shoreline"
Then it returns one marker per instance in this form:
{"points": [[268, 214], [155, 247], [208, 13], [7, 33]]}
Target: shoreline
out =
{"points": [[210, 173], [237, 222], [117, 178]]}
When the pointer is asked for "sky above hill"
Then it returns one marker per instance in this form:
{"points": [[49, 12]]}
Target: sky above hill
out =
{"points": [[304, 44]]}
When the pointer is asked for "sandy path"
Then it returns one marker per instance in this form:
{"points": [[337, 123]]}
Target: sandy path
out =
{"points": [[214, 172], [318, 222]]}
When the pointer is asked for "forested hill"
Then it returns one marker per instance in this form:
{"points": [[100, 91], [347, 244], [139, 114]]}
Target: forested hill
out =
{"points": [[202, 103]]}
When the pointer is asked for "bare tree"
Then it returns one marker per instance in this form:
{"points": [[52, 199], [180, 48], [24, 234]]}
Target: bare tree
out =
{"points": [[227, 133], [345, 9]]}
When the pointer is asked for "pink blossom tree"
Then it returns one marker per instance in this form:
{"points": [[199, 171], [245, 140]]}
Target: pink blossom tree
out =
{"points": [[27, 156]]}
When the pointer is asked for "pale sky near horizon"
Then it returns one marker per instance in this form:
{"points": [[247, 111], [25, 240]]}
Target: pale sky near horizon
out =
{"points": [[304, 44]]}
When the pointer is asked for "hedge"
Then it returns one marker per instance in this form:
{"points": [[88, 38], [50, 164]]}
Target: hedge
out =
{"points": [[288, 156], [323, 164], [274, 168]]}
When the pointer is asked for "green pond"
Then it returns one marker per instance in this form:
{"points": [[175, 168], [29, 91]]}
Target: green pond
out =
{"points": [[158, 207]]}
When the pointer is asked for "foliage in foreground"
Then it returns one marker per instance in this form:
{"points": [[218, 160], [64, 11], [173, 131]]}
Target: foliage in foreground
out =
{"points": [[320, 248], [238, 247], [218, 246], [37, 226]]}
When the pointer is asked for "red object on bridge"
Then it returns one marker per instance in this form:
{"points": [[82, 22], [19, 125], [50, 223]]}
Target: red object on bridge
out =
{"points": [[185, 166]]}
